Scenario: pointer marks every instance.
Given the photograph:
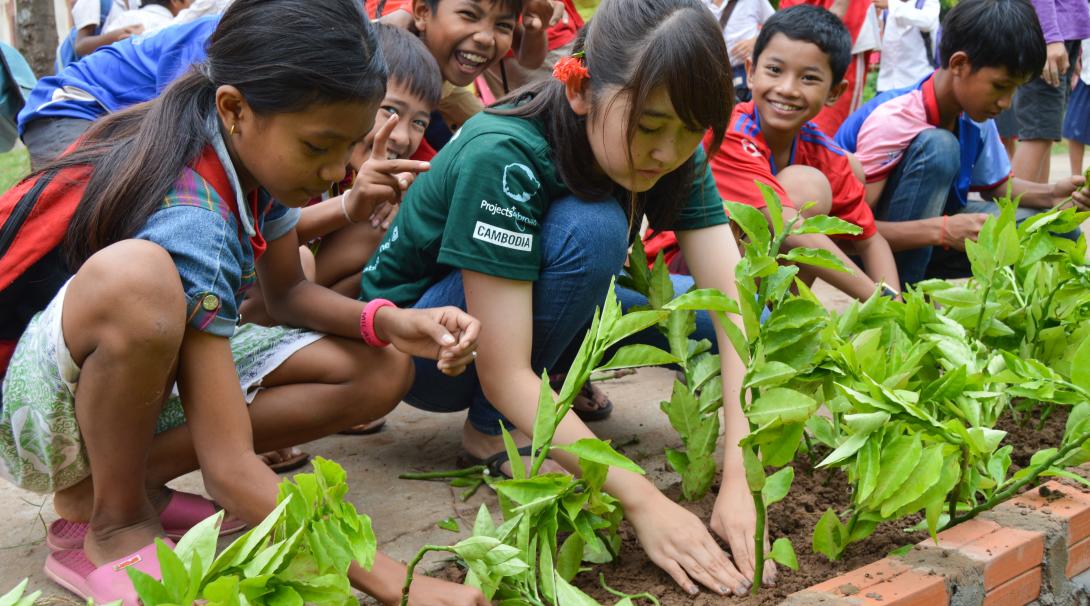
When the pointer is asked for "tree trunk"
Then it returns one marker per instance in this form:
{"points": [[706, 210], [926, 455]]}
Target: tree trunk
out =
{"points": [[36, 34]]}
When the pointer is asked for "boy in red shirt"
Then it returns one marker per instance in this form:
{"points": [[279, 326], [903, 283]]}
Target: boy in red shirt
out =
{"points": [[797, 69]]}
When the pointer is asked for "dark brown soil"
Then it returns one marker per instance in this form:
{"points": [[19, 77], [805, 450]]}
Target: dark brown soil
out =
{"points": [[794, 518]]}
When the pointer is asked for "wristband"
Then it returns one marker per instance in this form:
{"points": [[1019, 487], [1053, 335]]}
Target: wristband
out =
{"points": [[888, 291], [367, 322], [344, 209]]}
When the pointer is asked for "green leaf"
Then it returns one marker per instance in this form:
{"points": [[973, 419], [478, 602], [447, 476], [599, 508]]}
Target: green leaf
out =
{"points": [[1080, 365], [518, 466], [15, 596], [662, 288], [774, 207], [926, 474], [768, 374], [752, 222], [223, 591], [545, 486], [592, 449], [787, 405], [867, 466], [1078, 422], [828, 225], [200, 542], [704, 299], [633, 356], [568, 595], [174, 574], [828, 533], [783, 553], [898, 460], [150, 591], [781, 451], [755, 471], [450, 524], [242, 548], [818, 257], [632, 323], [570, 557], [545, 421], [777, 486]]}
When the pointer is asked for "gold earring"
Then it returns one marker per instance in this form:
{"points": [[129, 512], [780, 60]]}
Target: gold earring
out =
{"points": [[231, 131]]}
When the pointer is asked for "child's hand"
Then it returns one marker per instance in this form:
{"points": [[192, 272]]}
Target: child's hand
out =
{"points": [[125, 32], [383, 215], [539, 14], [427, 591], [446, 334], [962, 227], [735, 519], [1073, 190], [679, 543], [380, 179]]}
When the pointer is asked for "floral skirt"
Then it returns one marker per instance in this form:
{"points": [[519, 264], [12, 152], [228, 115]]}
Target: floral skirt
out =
{"points": [[41, 448]]}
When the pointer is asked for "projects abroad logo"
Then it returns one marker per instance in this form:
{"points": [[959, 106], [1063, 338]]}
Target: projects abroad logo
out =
{"points": [[520, 219]]}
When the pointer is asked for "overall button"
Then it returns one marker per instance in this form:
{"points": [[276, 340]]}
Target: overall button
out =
{"points": [[210, 302]]}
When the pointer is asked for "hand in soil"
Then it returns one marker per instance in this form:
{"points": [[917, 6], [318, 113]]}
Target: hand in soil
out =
{"points": [[734, 519], [679, 543], [428, 591]]}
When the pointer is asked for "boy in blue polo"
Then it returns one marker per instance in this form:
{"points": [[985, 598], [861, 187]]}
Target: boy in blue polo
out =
{"points": [[925, 147]]}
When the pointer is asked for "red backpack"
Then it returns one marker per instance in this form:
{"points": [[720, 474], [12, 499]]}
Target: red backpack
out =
{"points": [[34, 217]]}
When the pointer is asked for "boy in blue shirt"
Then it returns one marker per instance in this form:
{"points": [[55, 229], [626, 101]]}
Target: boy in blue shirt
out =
{"points": [[925, 147]]}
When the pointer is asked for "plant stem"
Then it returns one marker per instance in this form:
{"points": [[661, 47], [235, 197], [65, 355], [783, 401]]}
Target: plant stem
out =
{"points": [[1016, 486], [412, 566], [983, 306], [962, 482], [758, 541], [443, 475], [809, 453]]}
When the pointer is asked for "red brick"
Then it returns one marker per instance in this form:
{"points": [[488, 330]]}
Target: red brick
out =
{"points": [[1006, 553], [1078, 558], [861, 578], [913, 588], [1018, 591], [1073, 507]]}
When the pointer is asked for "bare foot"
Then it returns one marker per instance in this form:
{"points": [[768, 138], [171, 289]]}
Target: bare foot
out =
{"points": [[481, 446], [76, 503], [108, 540]]}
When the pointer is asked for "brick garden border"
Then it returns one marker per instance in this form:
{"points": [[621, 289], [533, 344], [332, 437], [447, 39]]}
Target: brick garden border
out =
{"points": [[1032, 548]]}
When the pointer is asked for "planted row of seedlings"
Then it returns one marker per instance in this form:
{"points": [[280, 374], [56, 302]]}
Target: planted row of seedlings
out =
{"points": [[902, 395]]}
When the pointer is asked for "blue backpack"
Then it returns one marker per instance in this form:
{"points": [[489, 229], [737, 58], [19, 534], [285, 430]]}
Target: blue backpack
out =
{"points": [[66, 50], [16, 82]]}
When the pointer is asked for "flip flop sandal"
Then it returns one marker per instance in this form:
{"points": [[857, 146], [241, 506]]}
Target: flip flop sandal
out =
{"points": [[587, 414], [365, 429], [104, 584], [494, 463], [183, 511], [290, 463]]}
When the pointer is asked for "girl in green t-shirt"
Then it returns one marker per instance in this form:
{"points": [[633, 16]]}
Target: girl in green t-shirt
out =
{"points": [[525, 217]]}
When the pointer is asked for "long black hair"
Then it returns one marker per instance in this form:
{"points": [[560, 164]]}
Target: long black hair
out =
{"points": [[634, 47], [282, 55]]}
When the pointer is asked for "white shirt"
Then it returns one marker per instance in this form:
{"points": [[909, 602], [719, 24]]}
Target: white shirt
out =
{"points": [[744, 23], [904, 57], [200, 8], [152, 17], [869, 37], [86, 12], [1084, 75]]}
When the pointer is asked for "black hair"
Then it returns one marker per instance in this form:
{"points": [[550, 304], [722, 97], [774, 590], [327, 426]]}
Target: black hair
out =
{"points": [[636, 47], [165, 3], [410, 63], [282, 55], [995, 33], [815, 25]]}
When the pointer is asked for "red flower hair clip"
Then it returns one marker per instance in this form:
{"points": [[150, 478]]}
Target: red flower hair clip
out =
{"points": [[571, 71]]}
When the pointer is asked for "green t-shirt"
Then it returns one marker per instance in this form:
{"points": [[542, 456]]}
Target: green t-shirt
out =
{"points": [[481, 207]]}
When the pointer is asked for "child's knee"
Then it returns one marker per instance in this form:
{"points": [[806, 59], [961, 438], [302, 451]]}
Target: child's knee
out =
{"points": [[938, 150], [805, 184]]}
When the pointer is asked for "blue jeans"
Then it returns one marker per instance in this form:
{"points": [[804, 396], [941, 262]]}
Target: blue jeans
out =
{"points": [[918, 189], [583, 244]]}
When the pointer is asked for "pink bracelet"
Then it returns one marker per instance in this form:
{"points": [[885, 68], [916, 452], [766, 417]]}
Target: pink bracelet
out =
{"points": [[367, 322]]}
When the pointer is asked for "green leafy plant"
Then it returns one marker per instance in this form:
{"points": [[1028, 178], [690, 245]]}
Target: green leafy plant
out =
{"points": [[15, 597], [299, 554], [553, 522], [693, 407]]}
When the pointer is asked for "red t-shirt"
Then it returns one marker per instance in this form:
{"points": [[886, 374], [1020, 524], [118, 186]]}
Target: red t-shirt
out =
{"points": [[744, 157]]}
